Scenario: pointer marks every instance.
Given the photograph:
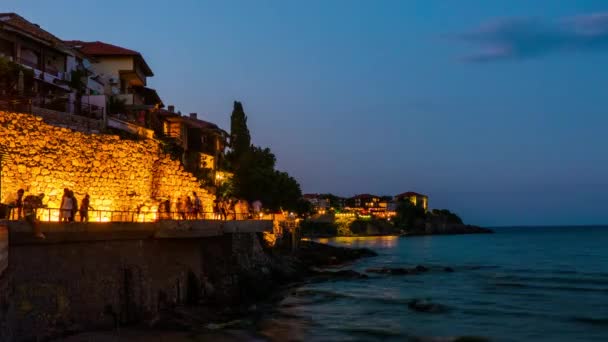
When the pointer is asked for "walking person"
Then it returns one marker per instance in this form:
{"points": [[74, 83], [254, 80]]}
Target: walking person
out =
{"points": [[197, 207], [74, 206], [189, 208], [216, 209], [180, 209], [167, 205], [30, 205], [18, 205], [65, 210], [84, 208]]}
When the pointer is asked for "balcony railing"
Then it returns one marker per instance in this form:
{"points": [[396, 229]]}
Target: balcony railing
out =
{"points": [[28, 63]]}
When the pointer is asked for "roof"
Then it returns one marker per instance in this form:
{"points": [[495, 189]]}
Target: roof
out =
{"points": [[199, 123], [410, 194], [21, 24], [150, 96], [170, 116], [99, 49], [363, 196]]}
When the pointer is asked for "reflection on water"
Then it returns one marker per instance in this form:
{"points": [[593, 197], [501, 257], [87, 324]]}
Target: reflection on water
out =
{"points": [[362, 241]]}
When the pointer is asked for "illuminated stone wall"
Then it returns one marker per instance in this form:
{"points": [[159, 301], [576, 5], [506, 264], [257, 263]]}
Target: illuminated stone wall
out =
{"points": [[118, 174]]}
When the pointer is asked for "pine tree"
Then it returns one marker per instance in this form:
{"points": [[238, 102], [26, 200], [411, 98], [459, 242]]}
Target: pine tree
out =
{"points": [[240, 138]]}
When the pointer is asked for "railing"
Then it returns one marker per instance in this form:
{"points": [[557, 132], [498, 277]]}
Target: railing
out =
{"points": [[55, 215], [28, 63]]}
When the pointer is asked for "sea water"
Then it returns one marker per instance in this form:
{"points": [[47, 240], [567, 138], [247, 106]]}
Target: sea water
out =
{"points": [[519, 284]]}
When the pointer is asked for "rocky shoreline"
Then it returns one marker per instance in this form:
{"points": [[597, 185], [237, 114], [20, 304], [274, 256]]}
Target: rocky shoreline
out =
{"points": [[259, 291]]}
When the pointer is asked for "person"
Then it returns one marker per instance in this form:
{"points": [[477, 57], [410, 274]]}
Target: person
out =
{"points": [[216, 209], [189, 208], [223, 209], [65, 210], [18, 205], [197, 207], [74, 206], [84, 208], [167, 205], [30, 204], [257, 208], [180, 209]]}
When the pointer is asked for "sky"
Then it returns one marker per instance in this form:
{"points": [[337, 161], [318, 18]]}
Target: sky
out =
{"points": [[495, 109]]}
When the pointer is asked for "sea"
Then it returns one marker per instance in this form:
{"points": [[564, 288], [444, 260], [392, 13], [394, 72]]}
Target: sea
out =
{"points": [[519, 284]]}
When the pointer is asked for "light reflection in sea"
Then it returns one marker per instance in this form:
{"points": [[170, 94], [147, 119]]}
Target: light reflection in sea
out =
{"points": [[362, 241]]}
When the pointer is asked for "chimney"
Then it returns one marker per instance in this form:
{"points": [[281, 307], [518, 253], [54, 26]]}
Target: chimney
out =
{"points": [[193, 116], [171, 108]]}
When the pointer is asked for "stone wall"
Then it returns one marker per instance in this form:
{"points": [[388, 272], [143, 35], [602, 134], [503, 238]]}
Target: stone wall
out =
{"points": [[119, 175], [67, 120], [101, 284]]}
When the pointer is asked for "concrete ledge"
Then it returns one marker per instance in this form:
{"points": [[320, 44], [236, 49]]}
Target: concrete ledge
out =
{"points": [[55, 232]]}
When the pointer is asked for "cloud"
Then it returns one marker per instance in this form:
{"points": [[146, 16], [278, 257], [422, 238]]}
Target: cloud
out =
{"points": [[524, 38]]}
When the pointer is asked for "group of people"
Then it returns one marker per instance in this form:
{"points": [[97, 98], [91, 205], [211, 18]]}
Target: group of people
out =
{"points": [[186, 208], [69, 207], [25, 207], [190, 208]]}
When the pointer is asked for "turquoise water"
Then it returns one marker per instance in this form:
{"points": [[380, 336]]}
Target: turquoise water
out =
{"points": [[520, 284]]}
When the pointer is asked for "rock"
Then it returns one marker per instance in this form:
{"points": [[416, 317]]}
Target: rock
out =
{"points": [[448, 269], [421, 268], [338, 275], [423, 305]]}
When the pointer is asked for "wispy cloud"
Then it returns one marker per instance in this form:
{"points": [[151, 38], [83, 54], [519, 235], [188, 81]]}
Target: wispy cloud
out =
{"points": [[522, 38]]}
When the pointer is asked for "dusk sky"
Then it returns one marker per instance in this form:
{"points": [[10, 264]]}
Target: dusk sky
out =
{"points": [[495, 109]]}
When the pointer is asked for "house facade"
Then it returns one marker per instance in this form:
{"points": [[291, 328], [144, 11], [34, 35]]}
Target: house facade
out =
{"points": [[414, 198], [122, 75]]}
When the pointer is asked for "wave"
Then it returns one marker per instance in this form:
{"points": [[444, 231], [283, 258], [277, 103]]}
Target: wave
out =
{"points": [[591, 320], [312, 296], [554, 288], [371, 332], [551, 279]]}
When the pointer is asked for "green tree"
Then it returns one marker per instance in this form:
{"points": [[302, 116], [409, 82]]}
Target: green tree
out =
{"points": [[78, 83], [409, 214], [255, 176], [240, 138]]}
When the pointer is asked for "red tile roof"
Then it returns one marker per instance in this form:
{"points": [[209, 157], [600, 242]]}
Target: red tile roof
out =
{"points": [[98, 49], [17, 22]]}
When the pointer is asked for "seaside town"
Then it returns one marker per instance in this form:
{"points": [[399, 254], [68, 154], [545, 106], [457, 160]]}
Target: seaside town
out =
{"points": [[108, 192], [96, 87], [428, 171]]}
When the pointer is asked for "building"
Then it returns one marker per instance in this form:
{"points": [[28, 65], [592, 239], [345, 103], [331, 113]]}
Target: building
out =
{"points": [[47, 62], [319, 203], [203, 143], [415, 198], [123, 74]]}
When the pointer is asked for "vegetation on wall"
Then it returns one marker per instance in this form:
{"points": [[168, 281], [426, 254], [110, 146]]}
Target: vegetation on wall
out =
{"points": [[9, 77]]}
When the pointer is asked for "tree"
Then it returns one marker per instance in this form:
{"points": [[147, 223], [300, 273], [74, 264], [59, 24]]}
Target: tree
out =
{"points": [[255, 177], [78, 83], [240, 137], [408, 215], [116, 105]]}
